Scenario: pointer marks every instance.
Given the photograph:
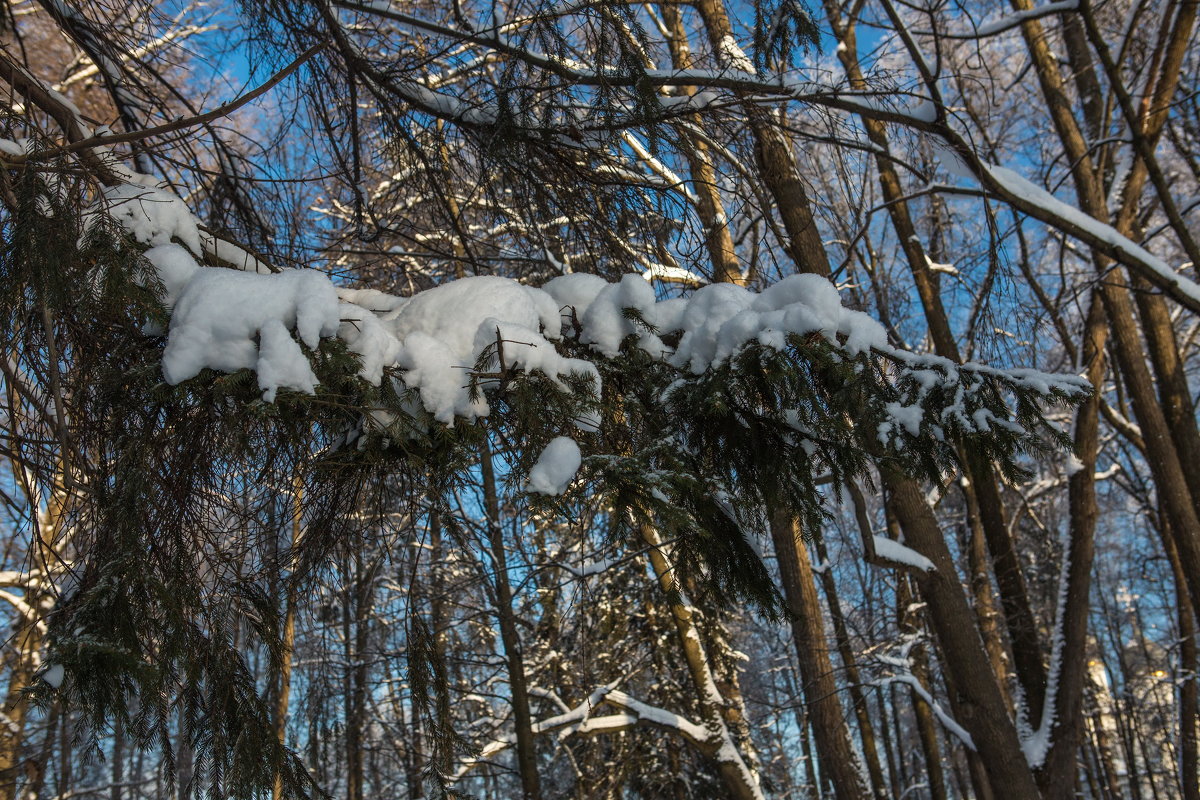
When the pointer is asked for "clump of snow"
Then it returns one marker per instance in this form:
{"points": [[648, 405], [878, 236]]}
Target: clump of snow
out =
{"points": [[907, 417], [175, 267], [364, 333], [220, 314], [575, 291], [526, 349], [54, 675], [605, 324], [444, 330], [722, 318], [372, 299], [555, 467], [702, 321], [454, 311], [152, 215]]}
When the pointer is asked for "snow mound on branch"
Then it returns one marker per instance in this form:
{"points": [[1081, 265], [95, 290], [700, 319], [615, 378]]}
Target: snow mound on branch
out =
{"points": [[443, 331], [364, 333], [175, 267], [607, 323], [220, 314], [575, 292], [372, 299], [54, 675], [555, 467], [152, 215], [894, 551], [722, 318]]}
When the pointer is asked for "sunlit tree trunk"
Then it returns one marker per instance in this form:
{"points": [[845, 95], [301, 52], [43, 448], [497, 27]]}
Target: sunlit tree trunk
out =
{"points": [[866, 728], [807, 619], [737, 769], [283, 687], [979, 704]]}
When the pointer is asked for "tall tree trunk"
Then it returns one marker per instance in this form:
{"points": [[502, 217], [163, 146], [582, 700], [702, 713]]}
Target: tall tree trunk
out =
{"points": [[736, 768], [778, 170], [979, 705], [21, 665], [709, 208], [812, 650], [184, 762], [1189, 702], [862, 714], [773, 156], [118, 760], [989, 618], [885, 733], [359, 608], [527, 765], [283, 685], [908, 624], [1057, 774], [25, 647]]}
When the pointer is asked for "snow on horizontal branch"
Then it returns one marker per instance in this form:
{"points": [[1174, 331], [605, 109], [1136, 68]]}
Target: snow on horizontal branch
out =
{"points": [[891, 550], [452, 343]]}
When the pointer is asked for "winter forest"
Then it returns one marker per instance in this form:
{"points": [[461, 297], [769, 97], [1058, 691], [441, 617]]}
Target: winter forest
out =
{"points": [[599, 399]]}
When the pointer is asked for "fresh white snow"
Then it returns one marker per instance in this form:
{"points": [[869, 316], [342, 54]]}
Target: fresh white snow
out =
{"points": [[891, 550], [555, 467]]}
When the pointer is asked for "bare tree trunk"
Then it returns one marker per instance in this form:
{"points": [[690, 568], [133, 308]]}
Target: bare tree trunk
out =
{"points": [[21, 665], [35, 771], [987, 615], [509, 636], [773, 156], [118, 760], [1189, 703], [978, 702], [709, 208], [26, 644], [885, 733], [926, 727], [720, 716], [283, 686], [810, 768], [1057, 775], [812, 651], [350, 706], [184, 760], [866, 729]]}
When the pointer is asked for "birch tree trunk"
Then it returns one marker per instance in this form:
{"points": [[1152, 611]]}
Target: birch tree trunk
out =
{"points": [[721, 717]]}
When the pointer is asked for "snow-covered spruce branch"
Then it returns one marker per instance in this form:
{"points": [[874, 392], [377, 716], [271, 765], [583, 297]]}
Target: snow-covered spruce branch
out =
{"points": [[437, 343]]}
